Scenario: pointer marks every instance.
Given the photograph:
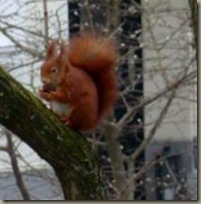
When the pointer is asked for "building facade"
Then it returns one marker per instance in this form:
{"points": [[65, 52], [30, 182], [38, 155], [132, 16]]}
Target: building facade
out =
{"points": [[169, 53]]}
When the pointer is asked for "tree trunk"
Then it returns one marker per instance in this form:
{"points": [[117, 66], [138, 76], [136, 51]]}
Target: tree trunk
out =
{"points": [[67, 151]]}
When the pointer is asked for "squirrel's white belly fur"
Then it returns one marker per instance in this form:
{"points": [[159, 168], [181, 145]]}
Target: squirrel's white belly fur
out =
{"points": [[60, 108]]}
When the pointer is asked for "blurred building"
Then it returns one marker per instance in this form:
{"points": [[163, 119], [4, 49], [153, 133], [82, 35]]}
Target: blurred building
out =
{"points": [[174, 139]]}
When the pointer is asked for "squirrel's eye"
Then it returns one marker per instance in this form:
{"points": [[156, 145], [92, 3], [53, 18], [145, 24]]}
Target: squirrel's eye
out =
{"points": [[54, 70]]}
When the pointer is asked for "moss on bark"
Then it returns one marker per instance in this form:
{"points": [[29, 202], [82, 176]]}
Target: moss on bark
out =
{"points": [[67, 151]]}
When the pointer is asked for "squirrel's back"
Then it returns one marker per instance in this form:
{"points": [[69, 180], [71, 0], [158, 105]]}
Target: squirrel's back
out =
{"points": [[98, 57], [93, 53]]}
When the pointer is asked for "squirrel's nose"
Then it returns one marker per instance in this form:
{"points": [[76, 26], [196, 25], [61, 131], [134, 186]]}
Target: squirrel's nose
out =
{"points": [[44, 80]]}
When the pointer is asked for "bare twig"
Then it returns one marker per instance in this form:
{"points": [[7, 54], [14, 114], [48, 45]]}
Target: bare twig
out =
{"points": [[176, 83], [155, 127], [15, 167], [32, 52], [136, 176], [46, 30]]}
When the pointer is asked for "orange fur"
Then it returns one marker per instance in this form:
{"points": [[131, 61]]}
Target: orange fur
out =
{"points": [[84, 80]]}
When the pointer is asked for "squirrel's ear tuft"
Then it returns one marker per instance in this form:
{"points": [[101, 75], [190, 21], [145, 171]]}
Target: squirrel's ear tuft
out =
{"points": [[51, 50], [63, 48], [63, 56]]}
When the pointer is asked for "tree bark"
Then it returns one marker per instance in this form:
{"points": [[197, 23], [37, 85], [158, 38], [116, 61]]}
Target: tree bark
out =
{"points": [[67, 151]]}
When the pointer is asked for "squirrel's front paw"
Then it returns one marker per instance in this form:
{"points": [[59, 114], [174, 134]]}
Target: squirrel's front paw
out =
{"points": [[45, 95], [65, 120]]}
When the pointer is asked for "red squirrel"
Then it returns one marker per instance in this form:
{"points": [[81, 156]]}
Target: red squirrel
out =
{"points": [[80, 82]]}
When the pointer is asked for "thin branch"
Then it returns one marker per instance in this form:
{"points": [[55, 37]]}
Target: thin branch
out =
{"points": [[18, 176], [46, 30], [167, 89], [4, 149], [38, 34], [154, 128], [32, 52], [136, 176]]}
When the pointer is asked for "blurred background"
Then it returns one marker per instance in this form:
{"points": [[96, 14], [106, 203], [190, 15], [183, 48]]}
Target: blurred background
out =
{"points": [[148, 148]]}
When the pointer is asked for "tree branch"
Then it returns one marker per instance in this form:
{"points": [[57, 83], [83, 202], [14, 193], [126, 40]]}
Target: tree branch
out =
{"points": [[190, 76], [155, 127], [16, 170], [193, 4], [32, 52], [67, 151]]}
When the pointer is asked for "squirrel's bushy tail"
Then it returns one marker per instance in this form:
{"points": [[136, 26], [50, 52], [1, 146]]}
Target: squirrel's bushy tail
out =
{"points": [[97, 56]]}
